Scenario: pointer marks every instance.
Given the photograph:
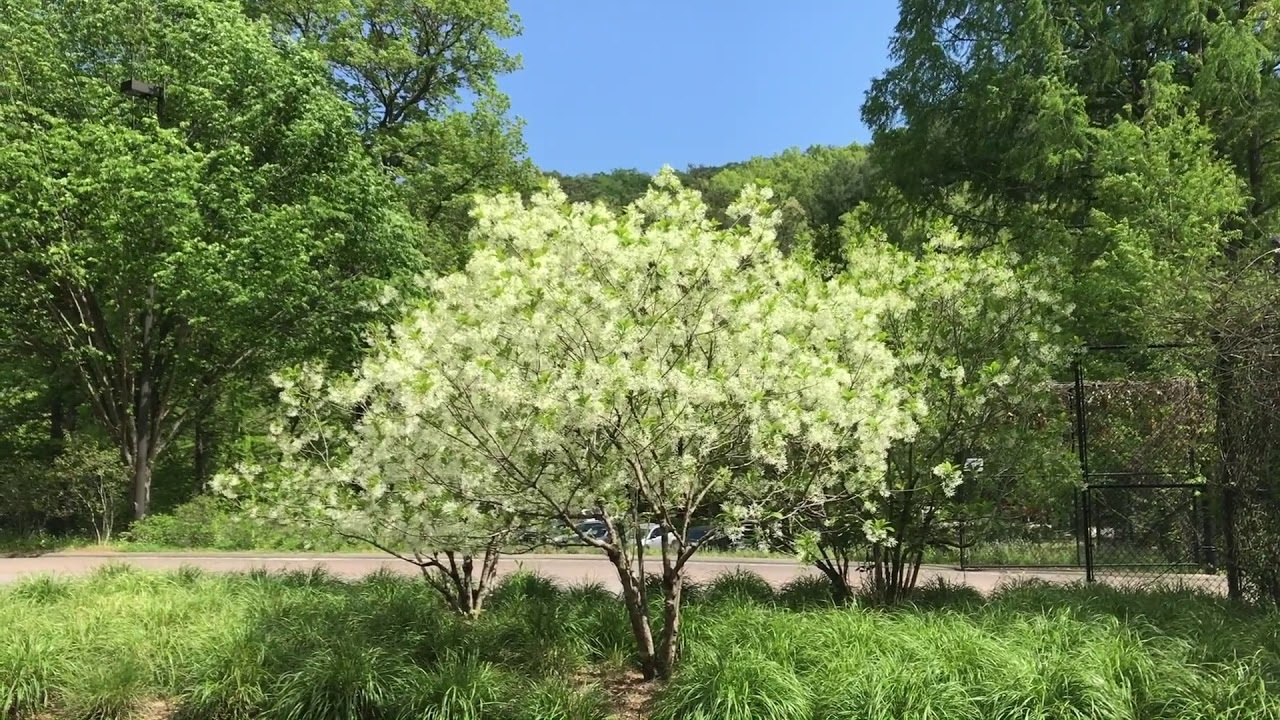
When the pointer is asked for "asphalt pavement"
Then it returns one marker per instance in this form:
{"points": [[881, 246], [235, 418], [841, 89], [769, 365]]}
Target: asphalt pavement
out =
{"points": [[564, 568]]}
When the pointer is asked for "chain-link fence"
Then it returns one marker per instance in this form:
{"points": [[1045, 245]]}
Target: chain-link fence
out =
{"points": [[1139, 505], [1145, 437]]}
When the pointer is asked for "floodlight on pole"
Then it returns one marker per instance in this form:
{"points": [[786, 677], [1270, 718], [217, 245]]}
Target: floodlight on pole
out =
{"points": [[140, 89], [137, 88]]}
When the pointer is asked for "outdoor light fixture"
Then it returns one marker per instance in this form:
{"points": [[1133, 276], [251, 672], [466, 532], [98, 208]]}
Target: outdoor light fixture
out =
{"points": [[137, 88]]}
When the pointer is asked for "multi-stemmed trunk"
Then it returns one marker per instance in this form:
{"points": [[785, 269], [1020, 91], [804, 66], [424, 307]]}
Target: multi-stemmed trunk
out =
{"points": [[657, 658], [460, 579]]}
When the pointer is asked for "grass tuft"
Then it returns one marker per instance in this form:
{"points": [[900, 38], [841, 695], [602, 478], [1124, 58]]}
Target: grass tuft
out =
{"points": [[42, 589], [807, 592], [557, 699], [738, 685], [521, 588], [738, 587], [462, 688]]}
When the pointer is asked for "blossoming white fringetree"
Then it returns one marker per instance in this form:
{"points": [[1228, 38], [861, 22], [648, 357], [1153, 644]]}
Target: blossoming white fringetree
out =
{"points": [[977, 342], [344, 456], [640, 366]]}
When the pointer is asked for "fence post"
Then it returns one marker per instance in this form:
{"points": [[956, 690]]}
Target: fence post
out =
{"points": [[1234, 588], [1209, 543], [1082, 447], [1088, 534], [1079, 522]]}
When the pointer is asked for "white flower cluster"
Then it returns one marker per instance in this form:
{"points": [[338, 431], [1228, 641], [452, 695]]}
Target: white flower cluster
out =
{"points": [[584, 356]]}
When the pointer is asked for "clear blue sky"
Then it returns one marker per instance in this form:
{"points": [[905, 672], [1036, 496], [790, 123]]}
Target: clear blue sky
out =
{"points": [[640, 83]]}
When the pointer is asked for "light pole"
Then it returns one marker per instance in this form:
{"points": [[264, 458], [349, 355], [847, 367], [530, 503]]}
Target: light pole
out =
{"points": [[142, 453]]}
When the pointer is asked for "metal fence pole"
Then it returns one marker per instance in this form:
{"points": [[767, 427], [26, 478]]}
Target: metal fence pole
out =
{"points": [[1082, 447], [1088, 534], [1079, 523], [1234, 589]]}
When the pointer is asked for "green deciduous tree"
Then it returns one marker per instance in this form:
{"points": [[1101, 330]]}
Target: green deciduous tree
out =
{"points": [[422, 76], [242, 228], [616, 188], [816, 187], [1136, 142]]}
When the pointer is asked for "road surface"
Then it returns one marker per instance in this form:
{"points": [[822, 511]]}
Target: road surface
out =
{"points": [[565, 568]]}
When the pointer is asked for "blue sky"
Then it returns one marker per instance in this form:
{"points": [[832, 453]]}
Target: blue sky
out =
{"points": [[640, 83]]}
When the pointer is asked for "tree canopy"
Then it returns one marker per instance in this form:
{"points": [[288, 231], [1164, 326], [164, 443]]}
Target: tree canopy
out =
{"points": [[422, 77], [1132, 141], [158, 245]]}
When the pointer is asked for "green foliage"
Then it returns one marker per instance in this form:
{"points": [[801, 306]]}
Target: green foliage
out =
{"points": [[88, 481], [209, 522], [974, 660], [422, 78], [616, 188], [280, 646], [522, 588], [816, 188], [738, 586], [1133, 143], [156, 253], [807, 592], [738, 685]]}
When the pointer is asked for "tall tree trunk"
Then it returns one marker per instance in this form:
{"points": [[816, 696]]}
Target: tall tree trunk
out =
{"points": [[145, 415], [202, 459], [141, 474], [57, 417]]}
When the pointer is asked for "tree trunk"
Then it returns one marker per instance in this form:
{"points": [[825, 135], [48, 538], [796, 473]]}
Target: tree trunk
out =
{"points": [[203, 453], [141, 472], [672, 579], [638, 614], [57, 415], [841, 592]]}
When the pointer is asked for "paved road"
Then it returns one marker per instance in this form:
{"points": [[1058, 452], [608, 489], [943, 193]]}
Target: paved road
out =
{"points": [[567, 569]]}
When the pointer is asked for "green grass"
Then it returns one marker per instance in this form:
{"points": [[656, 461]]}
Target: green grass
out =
{"points": [[1008, 553], [294, 646], [12, 545]]}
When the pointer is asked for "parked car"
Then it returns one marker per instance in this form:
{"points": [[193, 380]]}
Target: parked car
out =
{"points": [[697, 535], [651, 535]]}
